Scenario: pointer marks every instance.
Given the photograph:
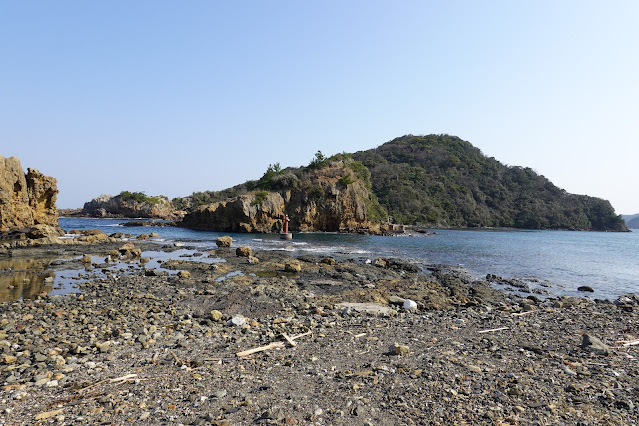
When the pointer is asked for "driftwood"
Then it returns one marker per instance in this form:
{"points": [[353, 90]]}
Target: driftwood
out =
{"points": [[114, 380], [289, 339], [48, 414], [123, 378], [518, 314], [492, 329]]}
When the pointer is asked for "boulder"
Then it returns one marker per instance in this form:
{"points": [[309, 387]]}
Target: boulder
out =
{"points": [[292, 266], [93, 236], [243, 252], [129, 250], [224, 241], [46, 232]]}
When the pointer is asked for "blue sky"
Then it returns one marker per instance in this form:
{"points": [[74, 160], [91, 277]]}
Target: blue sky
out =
{"points": [[172, 97]]}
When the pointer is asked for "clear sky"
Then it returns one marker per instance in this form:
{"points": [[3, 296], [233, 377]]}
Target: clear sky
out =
{"points": [[172, 97]]}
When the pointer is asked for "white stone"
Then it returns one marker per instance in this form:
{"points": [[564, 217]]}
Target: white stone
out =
{"points": [[410, 305]]}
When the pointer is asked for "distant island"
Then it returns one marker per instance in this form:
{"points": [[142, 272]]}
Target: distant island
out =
{"points": [[442, 180], [432, 181], [427, 181], [632, 221]]}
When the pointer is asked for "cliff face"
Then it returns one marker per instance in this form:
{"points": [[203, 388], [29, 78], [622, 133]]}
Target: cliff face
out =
{"points": [[26, 200], [118, 206], [330, 198]]}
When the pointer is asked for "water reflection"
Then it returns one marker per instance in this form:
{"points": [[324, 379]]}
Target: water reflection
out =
{"points": [[24, 278]]}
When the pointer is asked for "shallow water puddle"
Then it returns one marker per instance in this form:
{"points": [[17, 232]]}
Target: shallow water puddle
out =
{"points": [[230, 275], [27, 278]]}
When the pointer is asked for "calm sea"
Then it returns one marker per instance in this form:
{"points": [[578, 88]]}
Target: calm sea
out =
{"points": [[554, 261]]}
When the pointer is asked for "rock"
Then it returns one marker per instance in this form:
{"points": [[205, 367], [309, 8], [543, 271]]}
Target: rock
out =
{"points": [[86, 259], [594, 345], [219, 394], [216, 315], [253, 260], [126, 247], [151, 273], [328, 261], [184, 274], [395, 300], [409, 305], [380, 262], [128, 205], [243, 251], [9, 359], [274, 413], [585, 288], [224, 241], [371, 308], [292, 266], [322, 203], [143, 237], [399, 349], [237, 321], [515, 391], [46, 232], [129, 250], [26, 200]]}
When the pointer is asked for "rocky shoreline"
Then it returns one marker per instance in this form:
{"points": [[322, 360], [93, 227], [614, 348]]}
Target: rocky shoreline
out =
{"points": [[236, 337]]}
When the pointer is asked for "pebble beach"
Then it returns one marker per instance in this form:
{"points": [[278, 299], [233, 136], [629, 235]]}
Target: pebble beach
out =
{"points": [[234, 336]]}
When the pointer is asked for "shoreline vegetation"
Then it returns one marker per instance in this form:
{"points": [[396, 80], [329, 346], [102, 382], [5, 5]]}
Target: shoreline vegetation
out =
{"points": [[232, 336]]}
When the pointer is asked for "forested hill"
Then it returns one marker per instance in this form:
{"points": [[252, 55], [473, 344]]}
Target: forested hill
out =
{"points": [[441, 180]]}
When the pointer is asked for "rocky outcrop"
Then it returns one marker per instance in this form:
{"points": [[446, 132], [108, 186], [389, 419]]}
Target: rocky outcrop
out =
{"points": [[26, 200], [118, 206], [329, 199]]}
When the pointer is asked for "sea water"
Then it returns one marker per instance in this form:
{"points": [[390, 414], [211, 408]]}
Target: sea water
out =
{"points": [[554, 261]]}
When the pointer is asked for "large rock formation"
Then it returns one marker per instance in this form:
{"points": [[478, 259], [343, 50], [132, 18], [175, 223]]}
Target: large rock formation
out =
{"points": [[26, 201], [131, 205], [331, 198]]}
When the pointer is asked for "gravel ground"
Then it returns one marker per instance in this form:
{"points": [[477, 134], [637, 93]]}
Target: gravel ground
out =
{"points": [[333, 345]]}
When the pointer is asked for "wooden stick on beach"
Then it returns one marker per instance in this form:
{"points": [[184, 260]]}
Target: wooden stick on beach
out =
{"points": [[492, 329], [289, 339]]}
